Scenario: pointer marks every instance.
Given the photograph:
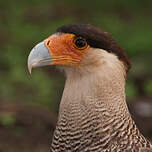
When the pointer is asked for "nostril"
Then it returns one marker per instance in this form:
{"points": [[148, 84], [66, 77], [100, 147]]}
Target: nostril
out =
{"points": [[48, 42]]}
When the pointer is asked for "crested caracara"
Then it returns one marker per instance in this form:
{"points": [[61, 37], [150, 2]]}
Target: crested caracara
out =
{"points": [[93, 115]]}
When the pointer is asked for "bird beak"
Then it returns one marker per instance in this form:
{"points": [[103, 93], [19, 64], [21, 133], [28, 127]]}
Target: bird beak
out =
{"points": [[39, 56]]}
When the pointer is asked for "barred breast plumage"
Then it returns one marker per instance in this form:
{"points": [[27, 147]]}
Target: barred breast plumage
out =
{"points": [[90, 124]]}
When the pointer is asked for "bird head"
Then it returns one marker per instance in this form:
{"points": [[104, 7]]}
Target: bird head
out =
{"points": [[78, 46]]}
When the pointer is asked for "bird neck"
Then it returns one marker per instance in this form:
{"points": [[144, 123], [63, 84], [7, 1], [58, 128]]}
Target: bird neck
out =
{"points": [[100, 89], [93, 114], [101, 80]]}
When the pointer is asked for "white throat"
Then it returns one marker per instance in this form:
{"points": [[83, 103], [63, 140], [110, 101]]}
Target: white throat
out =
{"points": [[103, 79]]}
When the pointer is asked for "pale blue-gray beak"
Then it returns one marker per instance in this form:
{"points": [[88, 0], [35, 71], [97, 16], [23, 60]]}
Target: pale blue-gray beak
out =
{"points": [[38, 57]]}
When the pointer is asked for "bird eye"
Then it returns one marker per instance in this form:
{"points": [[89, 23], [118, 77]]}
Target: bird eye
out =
{"points": [[80, 43]]}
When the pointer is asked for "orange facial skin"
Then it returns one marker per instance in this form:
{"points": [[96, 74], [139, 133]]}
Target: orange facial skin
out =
{"points": [[63, 50]]}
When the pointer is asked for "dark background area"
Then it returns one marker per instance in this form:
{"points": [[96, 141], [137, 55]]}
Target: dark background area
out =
{"points": [[29, 103]]}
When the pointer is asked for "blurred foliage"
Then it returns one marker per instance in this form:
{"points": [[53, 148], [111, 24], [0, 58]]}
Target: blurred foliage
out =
{"points": [[148, 87], [7, 119], [25, 23]]}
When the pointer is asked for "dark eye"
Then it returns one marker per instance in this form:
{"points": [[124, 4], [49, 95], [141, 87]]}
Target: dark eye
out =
{"points": [[80, 43]]}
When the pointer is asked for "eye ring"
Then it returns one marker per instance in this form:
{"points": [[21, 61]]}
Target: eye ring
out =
{"points": [[80, 43]]}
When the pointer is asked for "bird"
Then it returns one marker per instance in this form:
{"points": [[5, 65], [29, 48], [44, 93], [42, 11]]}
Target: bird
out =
{"points": [[93, 114]]}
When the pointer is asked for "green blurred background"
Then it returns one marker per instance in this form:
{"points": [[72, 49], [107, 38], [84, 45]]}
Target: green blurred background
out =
{"points": [[29, 103]]}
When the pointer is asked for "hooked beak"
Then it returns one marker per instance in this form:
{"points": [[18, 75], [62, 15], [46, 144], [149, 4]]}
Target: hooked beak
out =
{"points": [[39, 56]]}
